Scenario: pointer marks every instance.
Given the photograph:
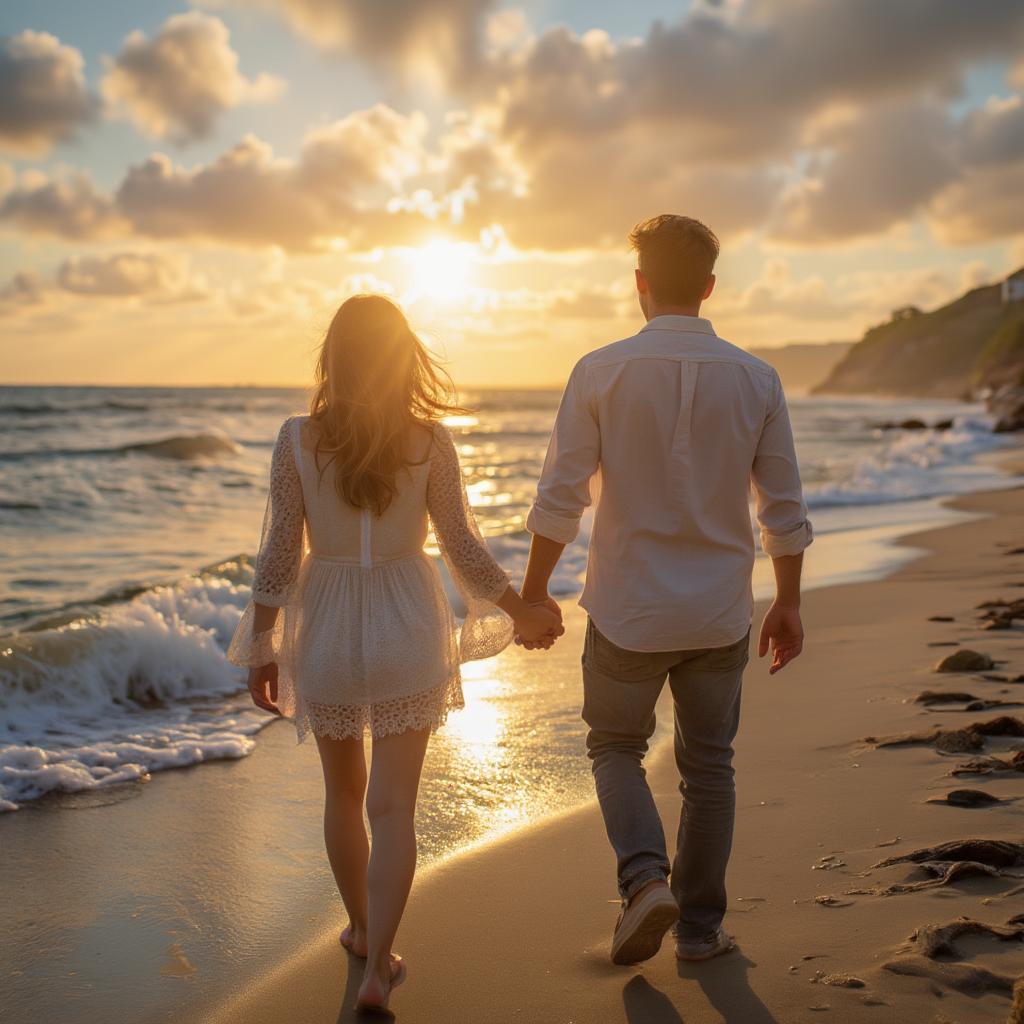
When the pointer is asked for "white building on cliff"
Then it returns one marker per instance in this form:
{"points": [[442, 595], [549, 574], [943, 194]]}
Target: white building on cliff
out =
{"points": [[1013, 287]]}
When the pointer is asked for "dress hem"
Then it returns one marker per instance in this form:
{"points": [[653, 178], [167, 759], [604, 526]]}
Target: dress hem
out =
{"points": [[413, 712]]}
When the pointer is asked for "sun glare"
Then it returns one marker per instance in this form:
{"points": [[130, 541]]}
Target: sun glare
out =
{"points": [[442, 270]]}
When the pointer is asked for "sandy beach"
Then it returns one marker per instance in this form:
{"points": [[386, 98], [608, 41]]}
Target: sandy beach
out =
{"points": [[206, 896]]}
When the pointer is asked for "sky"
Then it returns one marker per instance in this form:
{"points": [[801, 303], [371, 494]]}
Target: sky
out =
{"points": [[189, 189]]}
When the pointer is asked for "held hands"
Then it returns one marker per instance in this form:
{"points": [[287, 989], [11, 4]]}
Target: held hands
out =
{"points": [[783, 632], [263, 687], [540, 625]]}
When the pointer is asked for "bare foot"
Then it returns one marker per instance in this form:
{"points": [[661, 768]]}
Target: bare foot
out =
{"points": [[354, 940], [376, 989]]}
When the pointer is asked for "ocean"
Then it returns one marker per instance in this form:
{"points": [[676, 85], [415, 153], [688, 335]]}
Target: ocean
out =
{"points": [[128, 521]]}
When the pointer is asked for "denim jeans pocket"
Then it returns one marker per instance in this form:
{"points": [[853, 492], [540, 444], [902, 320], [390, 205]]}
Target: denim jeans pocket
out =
{"points": [[603, 657], [726, 659]]}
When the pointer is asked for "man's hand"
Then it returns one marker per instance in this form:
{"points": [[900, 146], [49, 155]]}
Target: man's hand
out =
{"points": [[552, 605], [783, 632], [263, 687]]}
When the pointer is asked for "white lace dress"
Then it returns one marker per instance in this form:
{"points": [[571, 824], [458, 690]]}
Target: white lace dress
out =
{"points": [[366, 635]]}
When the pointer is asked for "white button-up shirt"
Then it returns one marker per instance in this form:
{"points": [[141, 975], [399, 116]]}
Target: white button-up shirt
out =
{"points": [[679, 424]]}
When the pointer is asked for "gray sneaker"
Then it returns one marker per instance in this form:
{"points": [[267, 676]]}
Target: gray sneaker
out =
{"points": [[704, 948]]}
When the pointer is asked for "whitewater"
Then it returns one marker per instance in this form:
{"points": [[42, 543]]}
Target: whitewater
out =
{"points": [[128, 517]]}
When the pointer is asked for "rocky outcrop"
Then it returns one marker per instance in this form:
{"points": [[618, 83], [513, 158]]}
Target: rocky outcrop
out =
{"points": [[1007, 407]]}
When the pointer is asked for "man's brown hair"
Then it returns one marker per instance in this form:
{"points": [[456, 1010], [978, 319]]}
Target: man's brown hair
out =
{"points": [[676, 255]]}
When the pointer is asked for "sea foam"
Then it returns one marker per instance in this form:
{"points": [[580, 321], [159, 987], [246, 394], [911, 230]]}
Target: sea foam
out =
{"points": [[142, 687]]}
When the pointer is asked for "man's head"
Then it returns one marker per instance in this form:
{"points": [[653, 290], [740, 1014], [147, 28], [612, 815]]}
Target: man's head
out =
{"points": [[676, 261]]}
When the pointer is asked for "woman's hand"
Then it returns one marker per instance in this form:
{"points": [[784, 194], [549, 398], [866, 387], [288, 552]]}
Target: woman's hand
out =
{"points": [[263, 687], [538, 625]]}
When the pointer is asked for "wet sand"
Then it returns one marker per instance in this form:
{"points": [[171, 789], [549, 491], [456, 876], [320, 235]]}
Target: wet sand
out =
{"points": [[519, 929], [169, 906]]}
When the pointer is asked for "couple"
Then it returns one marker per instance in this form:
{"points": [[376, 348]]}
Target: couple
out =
{"points": [[349, 626]]}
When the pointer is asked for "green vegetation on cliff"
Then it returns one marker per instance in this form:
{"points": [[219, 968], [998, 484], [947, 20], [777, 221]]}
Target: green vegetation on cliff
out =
{"points": [[974, 342]]}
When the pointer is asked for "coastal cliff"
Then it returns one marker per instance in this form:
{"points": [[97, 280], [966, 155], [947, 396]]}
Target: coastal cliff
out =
{"points": [[971, 347]]}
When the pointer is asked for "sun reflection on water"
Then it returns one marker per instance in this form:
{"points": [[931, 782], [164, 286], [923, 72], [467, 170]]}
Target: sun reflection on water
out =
{"points": [[479, 726]]}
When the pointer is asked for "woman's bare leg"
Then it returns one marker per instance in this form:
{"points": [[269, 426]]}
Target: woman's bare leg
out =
{"points": [[391, 808], [348, 851]]}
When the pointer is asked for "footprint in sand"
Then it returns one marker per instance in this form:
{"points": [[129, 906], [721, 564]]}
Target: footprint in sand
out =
{"points": [[829, 863], [178, 965], [991, 765], [936, 698], [966, 739], [832, 901], [948, 862], [890, 842], [933, 952], [837, 980]]}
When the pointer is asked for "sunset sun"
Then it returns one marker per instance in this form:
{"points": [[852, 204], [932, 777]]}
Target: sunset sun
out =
{"points": [[442, 270]]}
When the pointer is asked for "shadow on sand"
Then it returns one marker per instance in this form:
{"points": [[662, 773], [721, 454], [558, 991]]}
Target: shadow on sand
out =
{"points": [[347, 1013], [725, 983], [644, 1004]]}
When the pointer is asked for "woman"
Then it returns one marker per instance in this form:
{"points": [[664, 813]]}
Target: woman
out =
{"points": [[356, 633]]}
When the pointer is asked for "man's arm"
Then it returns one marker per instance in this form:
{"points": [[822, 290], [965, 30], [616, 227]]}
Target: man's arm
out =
{"points": [[563, 491], [544, 556], [782, 629], [785, 530]]}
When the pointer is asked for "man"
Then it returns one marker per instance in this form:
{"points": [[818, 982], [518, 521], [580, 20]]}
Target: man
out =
{"points": [[678, 423]]}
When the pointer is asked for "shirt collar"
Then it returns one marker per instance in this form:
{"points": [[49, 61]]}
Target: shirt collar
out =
{"points": [[687, 324]]}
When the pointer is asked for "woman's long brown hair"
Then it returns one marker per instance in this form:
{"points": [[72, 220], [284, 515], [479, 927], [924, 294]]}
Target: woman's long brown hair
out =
{"points": [[375, 380]]}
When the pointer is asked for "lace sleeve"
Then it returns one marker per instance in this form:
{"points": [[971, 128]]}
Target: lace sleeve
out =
{"points": [[280, 555], [277, 564], [478, 577]]}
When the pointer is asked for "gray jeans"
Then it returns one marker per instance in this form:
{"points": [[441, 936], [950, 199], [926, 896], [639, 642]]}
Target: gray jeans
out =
{"points": [[620, 690]]}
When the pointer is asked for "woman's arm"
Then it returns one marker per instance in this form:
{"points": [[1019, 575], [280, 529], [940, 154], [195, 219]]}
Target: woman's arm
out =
{"points": [[277, 567], [464, 550], [280, 554]]}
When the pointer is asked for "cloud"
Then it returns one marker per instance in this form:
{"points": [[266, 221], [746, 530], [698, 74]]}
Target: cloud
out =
{"points": [[777, 295], [371, 147], [45, 97], [745, 85], [994, 133], [337, 193], [873, 171], [876, 293], [588, 303], [440, 35], [572, 193], [125, 274], [25, 290], [69, 206], [154, 278], [336, 189], [586, 134], [175, 85], [567, 139], [986, 204], [339, 188]]}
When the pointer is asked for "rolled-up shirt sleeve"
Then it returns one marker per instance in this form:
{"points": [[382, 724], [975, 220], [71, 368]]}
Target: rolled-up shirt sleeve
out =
{"points": [[574, 454], [775, 478]]}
